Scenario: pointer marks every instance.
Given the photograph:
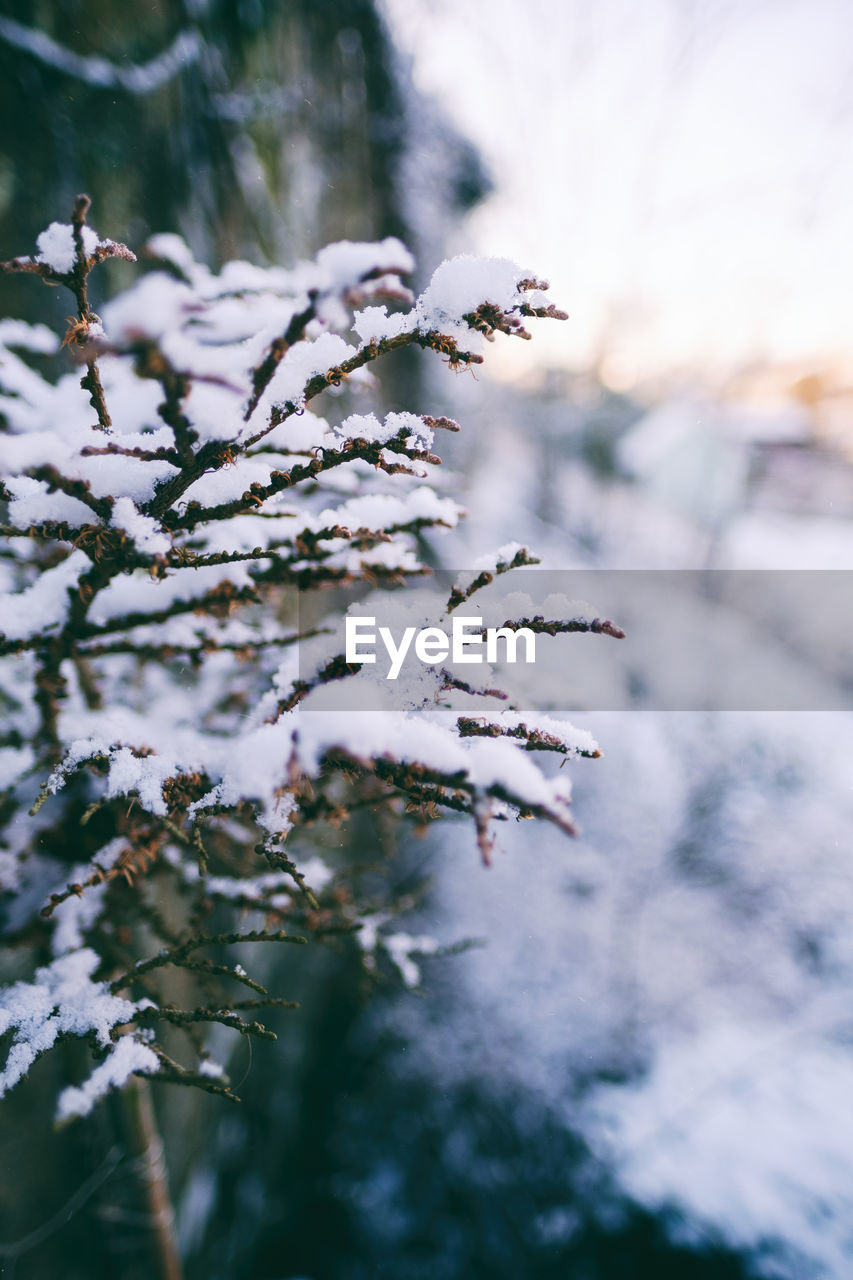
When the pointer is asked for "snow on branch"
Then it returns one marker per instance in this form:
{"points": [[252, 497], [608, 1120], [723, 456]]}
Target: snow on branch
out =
{"points": [[183, 52], [171, 497]]}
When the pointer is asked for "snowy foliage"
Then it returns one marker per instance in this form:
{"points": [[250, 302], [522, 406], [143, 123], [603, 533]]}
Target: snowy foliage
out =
{"points": [[163, 512]]}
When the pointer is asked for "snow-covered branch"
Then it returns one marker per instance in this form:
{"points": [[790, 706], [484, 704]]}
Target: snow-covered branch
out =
{"points": [[168, 713], [184, 50]]}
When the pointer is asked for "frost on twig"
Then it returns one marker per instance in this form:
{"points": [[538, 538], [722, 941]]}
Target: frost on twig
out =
{"points": [[165, 503]]}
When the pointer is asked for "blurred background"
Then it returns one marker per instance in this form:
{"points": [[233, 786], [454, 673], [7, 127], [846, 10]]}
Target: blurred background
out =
{"points": [[646, 1068]]}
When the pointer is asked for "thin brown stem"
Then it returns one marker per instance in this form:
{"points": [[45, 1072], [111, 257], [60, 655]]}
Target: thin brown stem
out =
{"points": [[146, 1145], [91, 380]]}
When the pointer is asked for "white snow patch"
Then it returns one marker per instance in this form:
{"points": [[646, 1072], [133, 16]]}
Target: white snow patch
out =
{"points": [[57, 248]]}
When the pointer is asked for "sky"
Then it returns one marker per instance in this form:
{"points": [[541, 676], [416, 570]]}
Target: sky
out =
{"points": [[680, 170]]}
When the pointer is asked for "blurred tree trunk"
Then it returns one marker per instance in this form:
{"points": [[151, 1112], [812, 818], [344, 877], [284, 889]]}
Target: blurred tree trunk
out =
{"points": [[249, 127]]}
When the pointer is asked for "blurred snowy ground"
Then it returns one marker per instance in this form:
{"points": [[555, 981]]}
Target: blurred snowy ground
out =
{"points": [[677, 983]]}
